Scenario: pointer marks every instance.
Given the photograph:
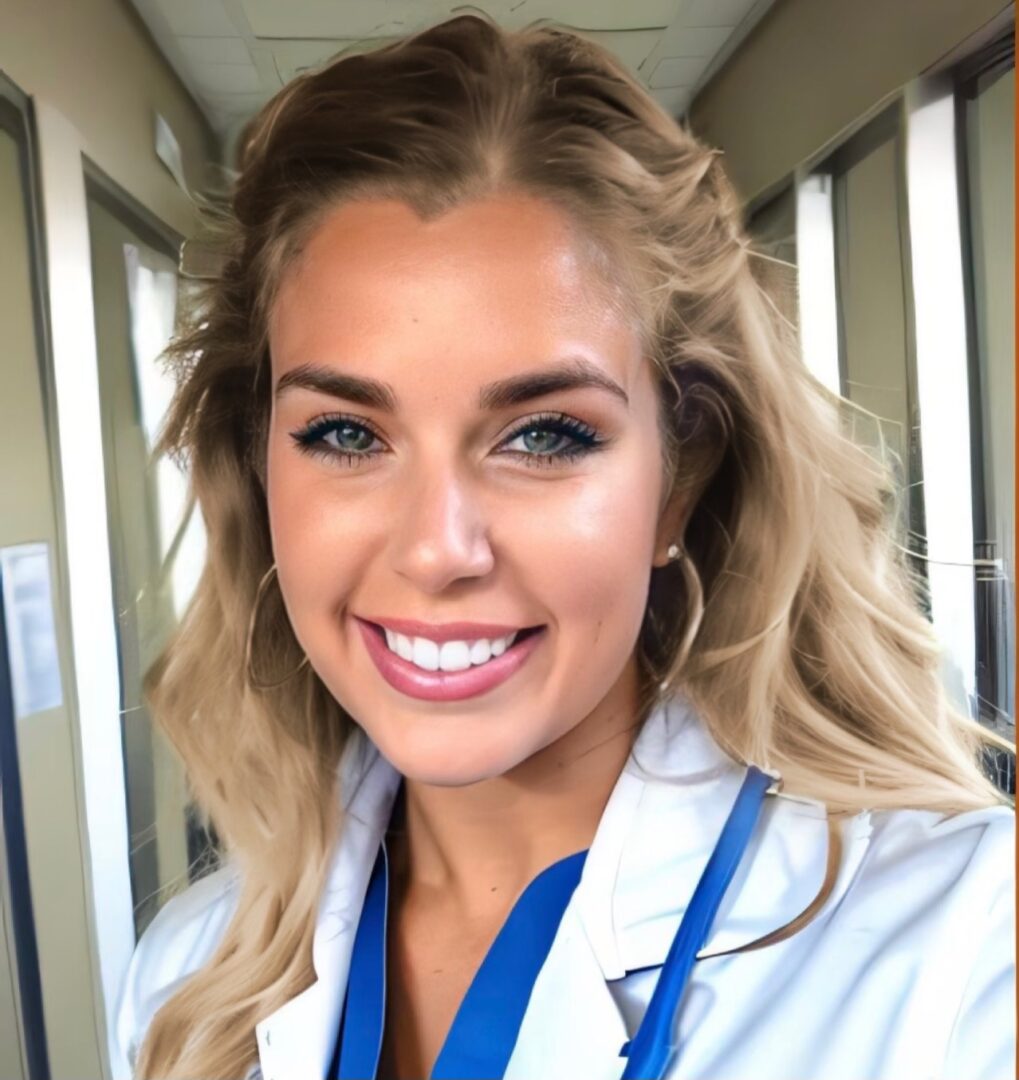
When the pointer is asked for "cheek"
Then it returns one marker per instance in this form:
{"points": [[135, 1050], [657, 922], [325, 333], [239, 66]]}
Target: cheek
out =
{"points": [[594, 573], [588, 555], [583, 560], [317, 542]]}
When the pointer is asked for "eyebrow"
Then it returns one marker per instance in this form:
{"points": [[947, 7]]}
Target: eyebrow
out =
{"points": [[570, 374]]}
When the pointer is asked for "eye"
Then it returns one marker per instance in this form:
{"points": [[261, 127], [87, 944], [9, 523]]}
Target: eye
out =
{"points": [[583, 439], [334, 437], [350, 440]]}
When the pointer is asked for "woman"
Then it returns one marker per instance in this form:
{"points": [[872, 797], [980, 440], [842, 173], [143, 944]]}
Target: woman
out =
{"points": [[554, 682]]}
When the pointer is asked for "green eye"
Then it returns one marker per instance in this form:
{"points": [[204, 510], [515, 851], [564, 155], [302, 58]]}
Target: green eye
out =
{"points": [[349, 440]]}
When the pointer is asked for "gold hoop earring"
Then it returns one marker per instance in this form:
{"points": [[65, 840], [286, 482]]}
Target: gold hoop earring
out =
{"points": [[695, 606], [253, 681], [695, 596]]}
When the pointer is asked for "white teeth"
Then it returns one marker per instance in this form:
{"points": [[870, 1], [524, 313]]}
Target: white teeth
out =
{"points": [[451, 655], [426, 654], [481, 651]]}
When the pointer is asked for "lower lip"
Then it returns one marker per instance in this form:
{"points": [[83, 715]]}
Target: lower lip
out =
{"points": [[404, 676]]}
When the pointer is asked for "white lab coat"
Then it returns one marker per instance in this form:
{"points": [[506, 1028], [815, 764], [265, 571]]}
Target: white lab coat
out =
{"points": [[907, 972]]}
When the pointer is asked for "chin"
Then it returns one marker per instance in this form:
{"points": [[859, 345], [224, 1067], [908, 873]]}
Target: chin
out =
{"points": [[452, 759]]}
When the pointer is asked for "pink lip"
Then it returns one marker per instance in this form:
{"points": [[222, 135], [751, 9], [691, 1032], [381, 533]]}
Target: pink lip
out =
{"points": [[444, 685]]}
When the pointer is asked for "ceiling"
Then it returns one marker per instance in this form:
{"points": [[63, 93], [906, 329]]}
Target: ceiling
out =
{"points": [[233, 55]]}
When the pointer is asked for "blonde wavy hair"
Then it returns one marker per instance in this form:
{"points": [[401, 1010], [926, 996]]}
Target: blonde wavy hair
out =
{"points": [[792, 624]]}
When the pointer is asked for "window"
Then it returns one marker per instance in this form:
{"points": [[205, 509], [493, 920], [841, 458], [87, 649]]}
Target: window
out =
{"points": [[135, 283], [902, 234], [985, 112]]}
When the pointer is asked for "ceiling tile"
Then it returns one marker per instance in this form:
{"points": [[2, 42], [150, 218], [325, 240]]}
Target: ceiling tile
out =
{"points": [[681, 40], [674, 99], [235, 105], [631, 46], [585, 14], [233, 54], [713, 12], [369, 18], [677, 71], [214, 50], [221, 119], [265, 65], [228, 78], [293, 57], [197, 18]]}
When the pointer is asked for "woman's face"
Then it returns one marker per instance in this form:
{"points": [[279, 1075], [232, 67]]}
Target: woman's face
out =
{"points": [[462, 431]]}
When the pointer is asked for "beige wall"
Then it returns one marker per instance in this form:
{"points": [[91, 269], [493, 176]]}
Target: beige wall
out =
{"points": [[46, 751], [43, 738], [96, 80], [95, 61], [810, 68]]}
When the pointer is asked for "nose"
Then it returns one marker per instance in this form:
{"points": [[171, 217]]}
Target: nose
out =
{"points": [[441, 535]]}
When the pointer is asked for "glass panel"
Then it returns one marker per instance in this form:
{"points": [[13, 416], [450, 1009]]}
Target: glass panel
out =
{"points": [[990, 146], [135, 286], [773, 232], [872, 303], [817, 286]]}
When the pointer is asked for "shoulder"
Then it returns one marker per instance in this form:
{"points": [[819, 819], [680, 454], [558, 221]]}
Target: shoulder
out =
{"points": [[932, 873], [932, 913], [180, 938], [968, 854]]}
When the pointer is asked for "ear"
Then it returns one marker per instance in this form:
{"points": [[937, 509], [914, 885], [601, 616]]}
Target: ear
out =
{"points": [[671, 526]]}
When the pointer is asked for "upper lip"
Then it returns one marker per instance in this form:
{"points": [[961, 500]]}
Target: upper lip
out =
{"points": [[439, 632]]}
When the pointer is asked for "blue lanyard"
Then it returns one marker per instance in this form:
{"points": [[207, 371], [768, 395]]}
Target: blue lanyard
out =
{"points": [[485, 1028], [652, 1050]]}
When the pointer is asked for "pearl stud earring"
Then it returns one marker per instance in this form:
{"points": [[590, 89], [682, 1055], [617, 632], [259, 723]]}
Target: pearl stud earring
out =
{"points": [[673, 551]]}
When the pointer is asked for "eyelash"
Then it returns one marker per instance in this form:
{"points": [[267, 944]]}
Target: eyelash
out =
{"points": [[310, 439]]}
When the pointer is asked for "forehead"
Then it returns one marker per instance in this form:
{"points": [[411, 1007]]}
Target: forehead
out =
{"points": [[501, 278]]}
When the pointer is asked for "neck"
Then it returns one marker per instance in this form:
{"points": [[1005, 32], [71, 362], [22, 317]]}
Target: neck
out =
{"points": [[477, 844]]}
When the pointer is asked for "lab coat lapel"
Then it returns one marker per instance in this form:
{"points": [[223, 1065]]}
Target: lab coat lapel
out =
{"points": [[572, 1027], [657, 834], [296, 1041], [655, 837]]}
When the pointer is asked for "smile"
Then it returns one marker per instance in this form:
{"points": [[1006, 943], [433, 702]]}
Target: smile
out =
{"points": [[454, 655], [454, 670]]}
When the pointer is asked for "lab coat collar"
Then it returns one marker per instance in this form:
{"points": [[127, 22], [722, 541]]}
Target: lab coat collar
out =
{"points": [[656, 833], [296, 1041]]}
